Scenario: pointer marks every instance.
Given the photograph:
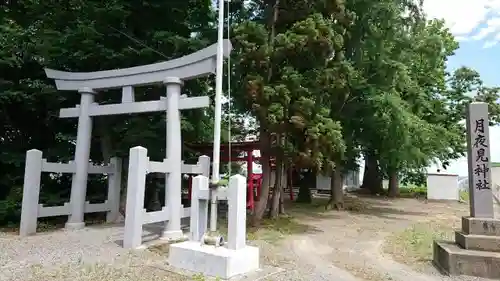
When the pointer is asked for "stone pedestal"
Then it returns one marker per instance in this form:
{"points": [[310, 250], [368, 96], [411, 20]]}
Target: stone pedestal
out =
{"points": [[227, 261], [214, 261], [476, 251]]}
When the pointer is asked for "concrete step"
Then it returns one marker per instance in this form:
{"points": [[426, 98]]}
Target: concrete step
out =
{"points": [[478, 242], [481, 226], [453, 260]]}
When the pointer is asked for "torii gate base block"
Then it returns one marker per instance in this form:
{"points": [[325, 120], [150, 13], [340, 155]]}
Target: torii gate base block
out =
{"points": [[221, 260], [214, 261]]}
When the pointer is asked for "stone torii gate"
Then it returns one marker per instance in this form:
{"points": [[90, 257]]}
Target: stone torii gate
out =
{"points": [[171, 74]]}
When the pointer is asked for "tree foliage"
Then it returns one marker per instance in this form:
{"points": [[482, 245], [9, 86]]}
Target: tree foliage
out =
{"points": [[327, 82]]}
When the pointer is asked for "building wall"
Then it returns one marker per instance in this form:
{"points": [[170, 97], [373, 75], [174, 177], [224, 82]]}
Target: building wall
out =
{"points": [[495, 175], [350, 180], [323, 182], [495, 181], [442, 186]]}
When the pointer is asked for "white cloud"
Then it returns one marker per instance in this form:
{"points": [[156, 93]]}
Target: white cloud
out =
{"points": [[489, 44], [462, 38], [468, 19], [483, 33]]}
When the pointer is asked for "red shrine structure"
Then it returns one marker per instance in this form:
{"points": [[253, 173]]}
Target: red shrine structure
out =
{"points": [[254, 181]]}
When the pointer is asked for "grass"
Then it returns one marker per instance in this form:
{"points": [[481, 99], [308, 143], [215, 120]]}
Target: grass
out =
{"points": [[405, 191], [270, 230], [464, 196], [274, 230], [413, 246], [412, 191]]}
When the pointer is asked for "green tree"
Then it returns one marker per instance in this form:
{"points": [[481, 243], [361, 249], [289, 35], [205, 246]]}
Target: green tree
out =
{"points": [[80, 35], [283, 69]]}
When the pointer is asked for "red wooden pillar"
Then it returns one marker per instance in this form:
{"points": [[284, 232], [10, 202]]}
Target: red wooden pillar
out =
{"points": [[250, 193]]}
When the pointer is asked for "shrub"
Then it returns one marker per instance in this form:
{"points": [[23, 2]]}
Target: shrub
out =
{"points": [[413, 190]]}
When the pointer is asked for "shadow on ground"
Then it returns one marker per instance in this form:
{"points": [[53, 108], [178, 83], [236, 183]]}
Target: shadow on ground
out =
{"points": [[384, 208], [366, 205]]}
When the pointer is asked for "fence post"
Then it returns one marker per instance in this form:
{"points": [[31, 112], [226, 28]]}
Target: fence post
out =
{"points": [[114, 185], [204, 162], [199, 208], [137, 170], [236, 229], [31, 192]]}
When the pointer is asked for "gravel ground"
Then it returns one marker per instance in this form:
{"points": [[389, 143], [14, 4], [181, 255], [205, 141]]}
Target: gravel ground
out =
{"points": [[62, 253], [94, 253], [338, 246]]}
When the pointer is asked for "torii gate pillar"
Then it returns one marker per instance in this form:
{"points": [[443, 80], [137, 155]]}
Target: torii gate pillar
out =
{"points": [[173, 180], [82, 152]]}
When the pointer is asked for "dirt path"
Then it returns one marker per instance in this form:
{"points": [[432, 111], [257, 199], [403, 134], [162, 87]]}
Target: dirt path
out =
{"points": [[303, 247], [348, 245]]}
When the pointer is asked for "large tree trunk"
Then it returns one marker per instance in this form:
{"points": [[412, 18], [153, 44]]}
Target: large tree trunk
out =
{"points": [[337, 190], [378, 185], [369, 176], [393, 184], [304, 195], [264, 134], [282, 201], [277, 190], [284, 183], [366, 176], [261, 204], [372, 179]]}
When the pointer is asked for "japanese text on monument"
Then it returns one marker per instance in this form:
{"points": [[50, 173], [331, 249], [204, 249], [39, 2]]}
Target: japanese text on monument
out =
{"points": [[480, 152]]}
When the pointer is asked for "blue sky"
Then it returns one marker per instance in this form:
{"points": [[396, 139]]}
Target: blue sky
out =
{"points": [[476, 25]]}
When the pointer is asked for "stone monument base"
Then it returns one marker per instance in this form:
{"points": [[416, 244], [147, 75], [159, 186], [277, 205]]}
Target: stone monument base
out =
{"points": [[213, 261], [475, 252]]}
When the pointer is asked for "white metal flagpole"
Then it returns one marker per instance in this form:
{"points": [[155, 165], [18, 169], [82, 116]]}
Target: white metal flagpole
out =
{"points": [[218, 114]]}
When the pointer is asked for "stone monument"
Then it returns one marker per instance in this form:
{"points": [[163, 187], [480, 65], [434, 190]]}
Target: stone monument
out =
{"points": [[210, 255], [476, 250]]}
